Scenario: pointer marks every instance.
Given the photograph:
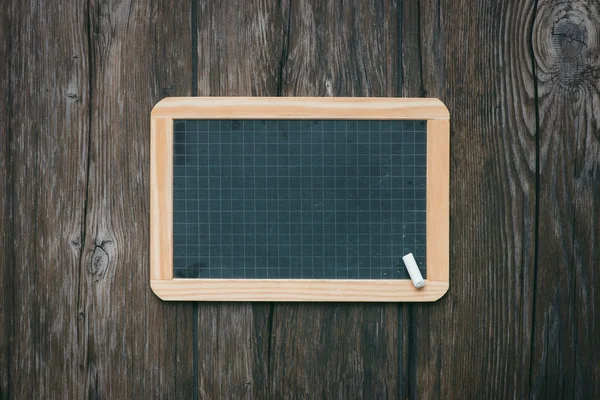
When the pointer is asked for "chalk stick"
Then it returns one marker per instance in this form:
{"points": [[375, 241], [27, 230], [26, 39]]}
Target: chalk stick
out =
{"points": [[413, 270]]}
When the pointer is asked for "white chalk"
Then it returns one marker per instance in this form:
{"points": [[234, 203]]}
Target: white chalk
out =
{"points": [[413, 270]]}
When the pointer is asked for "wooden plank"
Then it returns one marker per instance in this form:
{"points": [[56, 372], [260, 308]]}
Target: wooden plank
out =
{"points": [[475, 341], [566, 339], [338, 49], [233, 350], [342, 290], [300, 108], [338, 350], [239, 49], [131, 342], [48, 128], [6, 205], [343, 351]]}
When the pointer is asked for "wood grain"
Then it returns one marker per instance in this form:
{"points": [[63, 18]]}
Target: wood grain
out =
{"points": [[566, 341], [521, 82], [239, 47], [475, 342], [340, 49], [6, 206], [129, 339], [344, 351], [47, 133], [339, 350]]}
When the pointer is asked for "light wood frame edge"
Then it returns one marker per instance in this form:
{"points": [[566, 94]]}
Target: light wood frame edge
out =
{"points": [[438, 200], [296, 290], [300, 108], [161, 199], [161, 185]]}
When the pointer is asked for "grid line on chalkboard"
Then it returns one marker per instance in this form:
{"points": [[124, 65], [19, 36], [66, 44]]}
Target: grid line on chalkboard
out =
{"points": [[298, 199]]}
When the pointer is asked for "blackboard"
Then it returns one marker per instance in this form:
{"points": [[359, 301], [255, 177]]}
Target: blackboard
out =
{"points": [[254, 197], [298, 199]]}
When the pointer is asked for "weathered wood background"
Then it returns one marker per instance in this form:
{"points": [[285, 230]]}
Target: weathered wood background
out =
{"points": [[522, 81]]}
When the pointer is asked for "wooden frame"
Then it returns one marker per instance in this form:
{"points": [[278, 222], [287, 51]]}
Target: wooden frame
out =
{"points": [[161, 198]]}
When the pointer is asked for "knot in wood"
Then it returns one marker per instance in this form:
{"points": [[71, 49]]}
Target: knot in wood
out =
{"points": [[565, 43], [569, 36], [75, 243], [73, 96], [98, 261]]}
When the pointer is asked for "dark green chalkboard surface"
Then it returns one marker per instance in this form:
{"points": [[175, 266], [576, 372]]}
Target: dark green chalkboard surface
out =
{"points": [[298, 199]]}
